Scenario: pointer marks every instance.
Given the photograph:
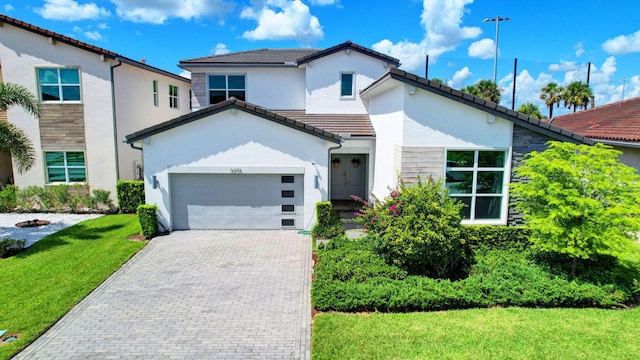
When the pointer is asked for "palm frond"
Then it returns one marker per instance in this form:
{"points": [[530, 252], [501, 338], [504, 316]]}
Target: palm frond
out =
{"points": [[16, 142], [12, 94]]}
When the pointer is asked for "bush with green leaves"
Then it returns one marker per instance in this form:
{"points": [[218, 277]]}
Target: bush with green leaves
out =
{"points": [[10, 246], [147, 215], [130, 195], [328, 224], [496, 237], [580, 201], [55, 198], [417, 228], [8, 198]]}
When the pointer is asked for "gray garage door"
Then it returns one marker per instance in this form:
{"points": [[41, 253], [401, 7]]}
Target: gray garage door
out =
{"points": [[237, 201]]}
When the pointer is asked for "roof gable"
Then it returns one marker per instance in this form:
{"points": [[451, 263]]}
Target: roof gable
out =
{"points": [[619, 121], [517, 118], [233, 103], [349, 45], [84, 46]]}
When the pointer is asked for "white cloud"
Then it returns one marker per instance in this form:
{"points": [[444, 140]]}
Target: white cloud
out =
{"points": [[458, 79], [283, 20], [185, 74], [527, 90], [483, 49], [71, 10], [158, 11], [579, 48], [323, 2], [563, 66], [623, 44], [442, 22], [8, 8], [220, 49], [103, 26], [94, 35]]}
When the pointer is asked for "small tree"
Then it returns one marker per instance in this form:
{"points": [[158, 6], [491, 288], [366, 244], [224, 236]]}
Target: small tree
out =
{"points": [[579, 200]]}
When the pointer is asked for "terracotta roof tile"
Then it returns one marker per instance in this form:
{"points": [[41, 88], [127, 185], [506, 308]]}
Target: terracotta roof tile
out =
{"points": [[618, 121]]}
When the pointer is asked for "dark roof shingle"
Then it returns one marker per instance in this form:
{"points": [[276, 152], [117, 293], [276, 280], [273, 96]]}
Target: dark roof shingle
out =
{"points": [[345, 125]]}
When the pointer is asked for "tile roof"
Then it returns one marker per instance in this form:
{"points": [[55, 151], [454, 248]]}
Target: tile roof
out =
{"points": [[618, 121], [281, 57], [84, 46], [260, 56], [234, 103], [517, 118], [345, 125]]}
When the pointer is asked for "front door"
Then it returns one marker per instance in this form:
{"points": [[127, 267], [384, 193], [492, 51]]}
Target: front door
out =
{"points": [[348, 176]]}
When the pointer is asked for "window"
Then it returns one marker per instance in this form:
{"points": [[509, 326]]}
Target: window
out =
{"points": [[155, 93], [65, 166], [173, 96], [287, 208], [288, 222], [287, 179], [346, 85], [222, 87], [288, 193], [477, 178], [59, 84]]}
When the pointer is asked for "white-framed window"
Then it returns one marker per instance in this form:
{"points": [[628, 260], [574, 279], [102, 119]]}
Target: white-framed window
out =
{"points": [[155, 93], [173, 97], [222, 87], [478, 178], [347, 85], [59, 84], [65, 166]]}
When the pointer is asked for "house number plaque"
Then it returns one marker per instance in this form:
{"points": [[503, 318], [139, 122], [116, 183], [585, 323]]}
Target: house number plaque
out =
{"points": [[236, 171]]}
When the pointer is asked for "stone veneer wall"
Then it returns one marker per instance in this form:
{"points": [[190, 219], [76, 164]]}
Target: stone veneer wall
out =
{"points": [[198, 90], [422, 161], [62, 127], [524, 142]]}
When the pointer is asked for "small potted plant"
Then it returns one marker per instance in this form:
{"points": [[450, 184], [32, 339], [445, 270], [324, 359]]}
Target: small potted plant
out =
{"points": [[355, 162], [336, 163]]}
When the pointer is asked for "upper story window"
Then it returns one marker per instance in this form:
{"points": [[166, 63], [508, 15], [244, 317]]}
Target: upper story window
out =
{"points": [[173, 96], [222, 87], [155, 93], [477, 178], [59, 84], [347, 85], [65, 166]]}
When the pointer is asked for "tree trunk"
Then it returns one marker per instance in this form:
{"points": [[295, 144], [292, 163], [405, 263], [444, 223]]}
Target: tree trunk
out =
{"points": [[573, 267]]}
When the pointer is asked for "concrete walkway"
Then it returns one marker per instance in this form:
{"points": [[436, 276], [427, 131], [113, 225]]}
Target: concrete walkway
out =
{"points": [[195, 295]]}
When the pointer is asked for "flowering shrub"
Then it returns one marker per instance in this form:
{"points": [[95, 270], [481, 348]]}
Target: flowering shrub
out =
{"points": [[417, 228]]}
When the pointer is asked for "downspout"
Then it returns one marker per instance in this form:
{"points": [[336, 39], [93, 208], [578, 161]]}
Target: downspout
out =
{"points": [[133, 146], [115, 123]]}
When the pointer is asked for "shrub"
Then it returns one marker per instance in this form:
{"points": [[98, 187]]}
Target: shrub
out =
{"points": [[148, 220], [10, 246], [328, 224], [33, 198], [496, 237], [101, 200], [8, 198], [418, 229], [130, 195]]}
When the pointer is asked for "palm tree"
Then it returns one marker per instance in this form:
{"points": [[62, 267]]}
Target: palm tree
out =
{"points": [[484, 89], [531, 110], [577, 95], [12, 139], [552, 95]]}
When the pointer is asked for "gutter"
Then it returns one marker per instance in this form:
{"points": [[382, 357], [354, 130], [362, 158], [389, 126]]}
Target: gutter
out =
{"points": [[115, 122], [635, 145]]}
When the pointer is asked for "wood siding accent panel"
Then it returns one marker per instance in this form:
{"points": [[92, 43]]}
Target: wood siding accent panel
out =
{"points": [[199, 96], [62, 127], [421, 161]]}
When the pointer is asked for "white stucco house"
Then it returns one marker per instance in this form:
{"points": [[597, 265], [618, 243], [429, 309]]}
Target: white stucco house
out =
{"points": [[275, 131], [90, 99]]}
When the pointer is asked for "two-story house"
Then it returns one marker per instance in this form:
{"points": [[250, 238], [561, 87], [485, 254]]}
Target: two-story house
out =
{"points": [[278, 130], [90, 99]]}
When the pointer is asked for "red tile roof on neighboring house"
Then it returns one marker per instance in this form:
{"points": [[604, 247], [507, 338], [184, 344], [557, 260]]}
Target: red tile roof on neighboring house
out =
{"points": [[84, 46], [618, 121]]}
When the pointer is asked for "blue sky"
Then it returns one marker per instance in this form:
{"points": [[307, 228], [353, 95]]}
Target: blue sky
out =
{"points": [[552, 40]]}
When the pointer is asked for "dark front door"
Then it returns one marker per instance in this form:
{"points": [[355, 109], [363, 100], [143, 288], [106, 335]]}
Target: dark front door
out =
{"points": [[348, 176]]}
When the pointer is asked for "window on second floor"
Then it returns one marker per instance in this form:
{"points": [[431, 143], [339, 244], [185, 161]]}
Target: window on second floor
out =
{"points": [[222, 87], [346, 85], [59, 84], [173, 96], [155, 93]]}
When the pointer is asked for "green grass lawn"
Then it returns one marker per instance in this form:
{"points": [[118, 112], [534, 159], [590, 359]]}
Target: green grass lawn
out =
{"points": [[39, 286], [496, 333]]}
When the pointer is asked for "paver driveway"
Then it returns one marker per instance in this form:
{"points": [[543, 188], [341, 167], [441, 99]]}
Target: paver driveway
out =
{"points": [[195, 295]]}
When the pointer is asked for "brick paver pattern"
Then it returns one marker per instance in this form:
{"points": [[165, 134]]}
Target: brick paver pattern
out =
{"points": [[195, 295]]}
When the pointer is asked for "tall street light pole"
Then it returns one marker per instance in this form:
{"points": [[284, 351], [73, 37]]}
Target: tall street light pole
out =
{"points": [[496, 20]]}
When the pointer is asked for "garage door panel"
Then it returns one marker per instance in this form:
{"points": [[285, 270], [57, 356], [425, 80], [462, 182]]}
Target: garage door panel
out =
{"points": [[220, 201]]}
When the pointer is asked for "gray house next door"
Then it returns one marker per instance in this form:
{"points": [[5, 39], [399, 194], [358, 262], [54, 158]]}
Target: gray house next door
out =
{"points": [[348, 176]]}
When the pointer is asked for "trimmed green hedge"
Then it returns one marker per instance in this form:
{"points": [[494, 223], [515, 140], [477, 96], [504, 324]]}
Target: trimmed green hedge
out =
{"points": [[147, 215], [328, 224], [496, 237], [130, 195]]}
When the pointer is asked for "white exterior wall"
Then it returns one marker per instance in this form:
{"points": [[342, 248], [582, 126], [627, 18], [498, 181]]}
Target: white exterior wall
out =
{"points": [[274, 88], [21, 52], [323, 78], [135, 109], [242, 141]]}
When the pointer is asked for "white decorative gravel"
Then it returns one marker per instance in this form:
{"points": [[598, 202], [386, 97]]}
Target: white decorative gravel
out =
{"points": [[8, 221]]}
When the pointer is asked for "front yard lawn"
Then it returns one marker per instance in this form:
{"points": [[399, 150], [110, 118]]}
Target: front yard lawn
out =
{"points": [[40, 285], [496, 333]]}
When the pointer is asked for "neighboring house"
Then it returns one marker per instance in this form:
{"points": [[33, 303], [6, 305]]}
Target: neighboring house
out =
{"points": [[279, 130], [616, 124], [90, 99]]}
